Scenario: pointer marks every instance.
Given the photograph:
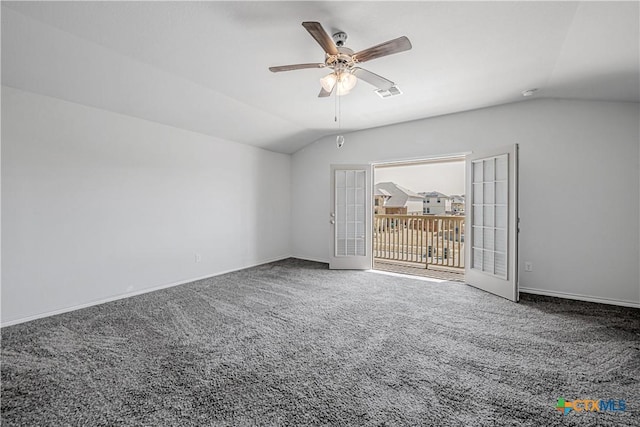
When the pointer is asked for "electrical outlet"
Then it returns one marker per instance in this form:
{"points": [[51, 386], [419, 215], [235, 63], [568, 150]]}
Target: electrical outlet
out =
{"points": [[528, 266], [198, 257]]}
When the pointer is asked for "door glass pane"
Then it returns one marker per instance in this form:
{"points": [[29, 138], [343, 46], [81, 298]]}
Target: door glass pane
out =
{"points": [[488, 216], [488, 193], [351, 247], [477, 194], [487, 262], [351, 179], [488, 240], [477, 215], [477, 171], [351, 213], [488, 170], [341, 229], [351, 197], [478, 237], [351, 230], [477, 259], [501, 264], [501, 241], [502, 168], [501, 193], [501, 216]]}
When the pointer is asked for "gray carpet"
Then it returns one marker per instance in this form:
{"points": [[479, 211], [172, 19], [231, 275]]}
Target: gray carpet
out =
{"points": [[293, 343]]}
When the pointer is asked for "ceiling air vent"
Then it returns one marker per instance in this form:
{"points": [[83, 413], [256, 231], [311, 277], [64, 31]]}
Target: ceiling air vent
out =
{"points": [[388, 93]]}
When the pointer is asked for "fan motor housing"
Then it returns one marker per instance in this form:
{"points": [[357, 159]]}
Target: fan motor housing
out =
{"points": [[344, 59]]}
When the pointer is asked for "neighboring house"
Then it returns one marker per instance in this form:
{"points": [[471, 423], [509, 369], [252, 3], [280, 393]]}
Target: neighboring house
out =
{"points": [[457, 205], [380, 198], [401, 201], [435, 203]]}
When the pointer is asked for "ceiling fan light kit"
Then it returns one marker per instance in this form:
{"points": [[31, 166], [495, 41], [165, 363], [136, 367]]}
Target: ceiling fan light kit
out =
{"points": [[343, 80], [342, 61]]}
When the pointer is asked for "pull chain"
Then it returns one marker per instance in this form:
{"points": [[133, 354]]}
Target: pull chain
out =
{"points": [[337, 118], [335, 105]]}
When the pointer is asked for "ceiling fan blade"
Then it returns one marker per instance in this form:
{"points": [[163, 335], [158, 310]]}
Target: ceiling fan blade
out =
{"points": [[321, 36], [323, 93], [295, 67], [383, 49], [372, 78]]}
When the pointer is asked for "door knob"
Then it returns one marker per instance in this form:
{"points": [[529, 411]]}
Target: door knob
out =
{"points": [[332, 221]]}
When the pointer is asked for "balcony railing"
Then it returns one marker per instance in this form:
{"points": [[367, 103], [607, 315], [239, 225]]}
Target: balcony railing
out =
{"points": [[424, 239]]}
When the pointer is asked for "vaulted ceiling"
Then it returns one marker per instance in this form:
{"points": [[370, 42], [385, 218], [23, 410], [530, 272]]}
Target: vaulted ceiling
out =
{"points": [[203, 66]]}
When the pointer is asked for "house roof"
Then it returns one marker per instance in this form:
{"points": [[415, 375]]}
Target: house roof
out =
{"points": [[408, 192], [434, 194], [399, 195], [381, 192], [203, 66]]}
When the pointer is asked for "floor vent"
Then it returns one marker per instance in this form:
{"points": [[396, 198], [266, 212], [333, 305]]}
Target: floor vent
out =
{"points": [[388, 93]]}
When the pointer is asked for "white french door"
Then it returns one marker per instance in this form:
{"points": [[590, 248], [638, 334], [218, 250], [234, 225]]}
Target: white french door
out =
{"points": [[492, 222], [350, 217]]}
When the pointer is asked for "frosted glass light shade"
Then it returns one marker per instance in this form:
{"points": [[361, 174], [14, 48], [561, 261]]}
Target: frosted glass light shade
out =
{"points": [[328, 82], [348, 81], [345, 82]]}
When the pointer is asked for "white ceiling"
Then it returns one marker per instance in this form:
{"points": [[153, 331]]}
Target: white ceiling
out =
{"points": [[202, 66]]}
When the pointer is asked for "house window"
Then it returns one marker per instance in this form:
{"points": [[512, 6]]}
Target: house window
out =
{"points": [[438, 200], [428, 210]]}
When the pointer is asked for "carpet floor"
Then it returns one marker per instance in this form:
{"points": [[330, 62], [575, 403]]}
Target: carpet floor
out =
{"points": [[293, 343]]}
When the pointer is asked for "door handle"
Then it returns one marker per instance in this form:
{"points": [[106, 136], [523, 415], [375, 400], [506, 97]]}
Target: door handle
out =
{"points": [[333, 221]]}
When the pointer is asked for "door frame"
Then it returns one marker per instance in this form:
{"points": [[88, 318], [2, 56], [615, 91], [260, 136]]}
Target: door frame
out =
{"points": [[409, 161]]}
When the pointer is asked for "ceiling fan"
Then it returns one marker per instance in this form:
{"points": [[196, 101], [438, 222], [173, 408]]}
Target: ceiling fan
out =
{"points": [[343, 61]]}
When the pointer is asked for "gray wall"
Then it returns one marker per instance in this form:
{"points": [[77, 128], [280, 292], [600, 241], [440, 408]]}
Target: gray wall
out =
{"points": [[573, 155], [97, 205]]}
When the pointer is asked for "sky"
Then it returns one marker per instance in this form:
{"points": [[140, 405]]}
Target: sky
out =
{"points": [[447, 178]]}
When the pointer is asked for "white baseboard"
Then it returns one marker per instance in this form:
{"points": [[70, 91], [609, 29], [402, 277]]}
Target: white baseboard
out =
{"points": [[579, 297], [304, 258], [182, 282], [133, 294]]}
